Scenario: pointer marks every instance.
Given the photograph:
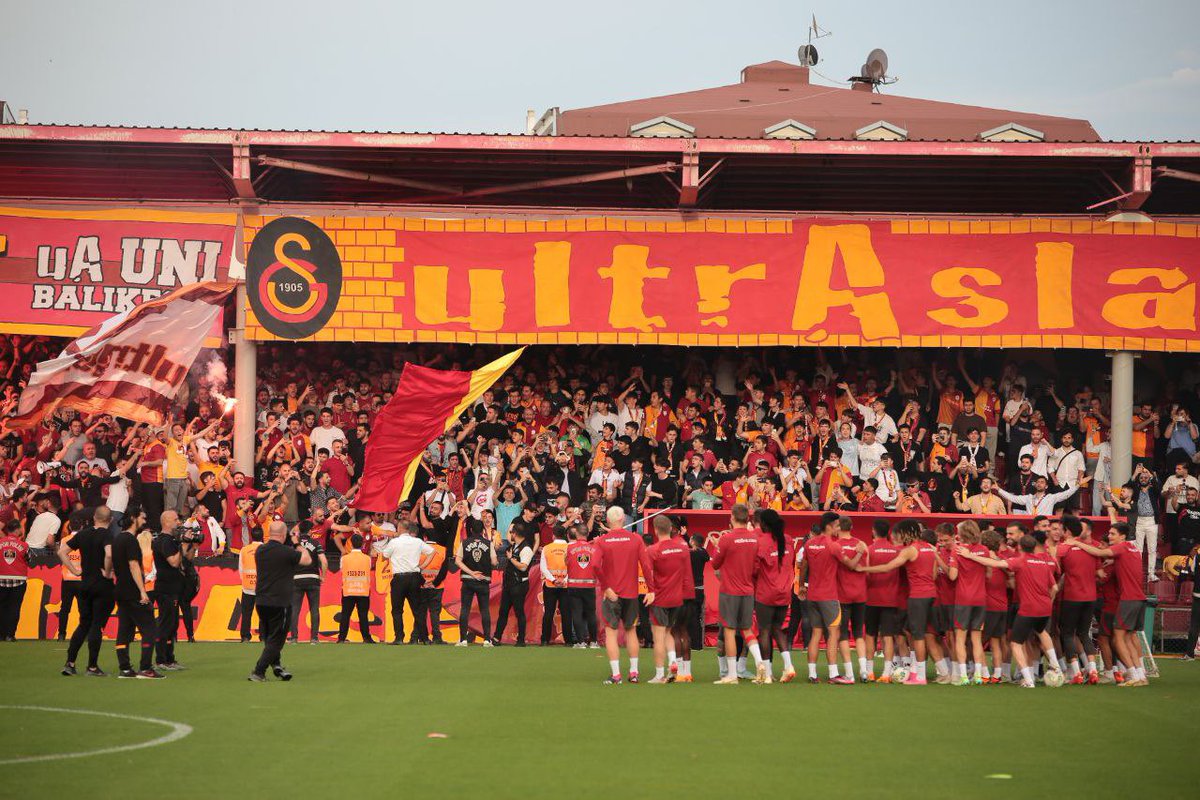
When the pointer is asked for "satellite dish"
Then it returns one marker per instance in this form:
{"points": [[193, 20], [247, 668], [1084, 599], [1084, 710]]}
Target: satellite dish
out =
{"points": [[864, 72], [808, 55], [876, 66]]}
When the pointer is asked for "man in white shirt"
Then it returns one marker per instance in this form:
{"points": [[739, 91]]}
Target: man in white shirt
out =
{"points": [[45, 526], [1039, 503], [870, 452], [440, 493], [1174, 488], [600, 417], [1067, 464], [408, 554], [324, 435], [1040, 450], [889, 482], [876, 416], [607, 478]]}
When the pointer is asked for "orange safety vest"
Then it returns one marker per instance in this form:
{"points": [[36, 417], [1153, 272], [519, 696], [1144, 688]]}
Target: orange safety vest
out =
{"points": [[74, 556], [249, 567], [555, 554], [642, 587], [356, 574], [147, 569], [431, 570]]}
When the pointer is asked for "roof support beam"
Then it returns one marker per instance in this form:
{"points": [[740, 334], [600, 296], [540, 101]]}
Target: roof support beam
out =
{"points": [[1183, 175], [243, 183], [1141, 178], [689, 183], [350, 174], [572, 180]]}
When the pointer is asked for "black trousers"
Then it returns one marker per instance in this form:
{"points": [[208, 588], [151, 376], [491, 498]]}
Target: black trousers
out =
{"points": [[406, 587], [11, 598], [696, 623], [1193, 627], [310, 589], [168, 626], [797, 620], [645, 634], [131, 615], [581, 613], [472, 591], [554, 599], [247, 616], [273, 625], [190, 590], [95, 607], [70, 597], [361, 604], [431, 607], [512, 597], [152, 502]]}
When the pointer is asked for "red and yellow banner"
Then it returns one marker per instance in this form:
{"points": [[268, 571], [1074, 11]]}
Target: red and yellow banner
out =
{"points": [[913, 283], [63, 271]]}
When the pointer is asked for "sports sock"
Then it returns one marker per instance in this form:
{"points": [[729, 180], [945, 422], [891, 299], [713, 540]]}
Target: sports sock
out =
{"points": [[942, 666], [787, 659], [1052, 659], [756, 652], [722, 665], [1007, 668], [812, 670], [962, 670], [862, 666], [685, 667], [980, 672], [1027, 674], [633, 665], [887, 669], [741, 664], [848, 669], [660, 672], [615, 666], [1091, 665], [670, 657], [833, 671], [770, 671]]}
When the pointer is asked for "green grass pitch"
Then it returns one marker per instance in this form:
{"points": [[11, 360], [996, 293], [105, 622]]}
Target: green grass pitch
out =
{"points": [[356, 722]]}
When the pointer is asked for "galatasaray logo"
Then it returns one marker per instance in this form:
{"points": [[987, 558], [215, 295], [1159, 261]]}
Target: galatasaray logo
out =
{"points": [[293, 278]]}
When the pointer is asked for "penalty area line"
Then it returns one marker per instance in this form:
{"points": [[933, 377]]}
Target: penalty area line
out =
{"points": [[178, 731]]}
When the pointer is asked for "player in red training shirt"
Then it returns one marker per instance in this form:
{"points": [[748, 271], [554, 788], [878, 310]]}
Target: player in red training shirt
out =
{"points": [[852, 594], [995, 615], [1078, 602], [883, 607], [621, 553], [737, 551], [818, 579], [970, 601], [670, 560], [773, 574], [1036, 575], [1131, 597], [919, 559]]}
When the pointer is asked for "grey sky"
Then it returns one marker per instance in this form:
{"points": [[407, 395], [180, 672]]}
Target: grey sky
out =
{"points": [[1132, 68]]}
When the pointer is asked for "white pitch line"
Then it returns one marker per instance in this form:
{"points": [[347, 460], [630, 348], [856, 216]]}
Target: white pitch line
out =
{"points": [[178, 731]]}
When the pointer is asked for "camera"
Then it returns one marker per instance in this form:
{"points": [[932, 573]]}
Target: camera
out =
{"points": [[190, 533]]}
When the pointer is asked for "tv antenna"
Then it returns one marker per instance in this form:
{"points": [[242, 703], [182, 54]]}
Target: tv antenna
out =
{"points": [[874, 70], [808, 52]]}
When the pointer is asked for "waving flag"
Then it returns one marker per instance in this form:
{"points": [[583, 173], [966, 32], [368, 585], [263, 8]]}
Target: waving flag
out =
{"points": [[131, 365], [426, 403]]}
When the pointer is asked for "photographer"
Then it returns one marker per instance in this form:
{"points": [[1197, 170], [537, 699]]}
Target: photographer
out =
{"points": [[170, 547], [276, 562]]}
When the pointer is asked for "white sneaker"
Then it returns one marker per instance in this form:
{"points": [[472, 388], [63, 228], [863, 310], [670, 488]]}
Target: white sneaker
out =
{"points": [[745, 674], [462, 643], [594, 646], [487, 642], [727, 680]]}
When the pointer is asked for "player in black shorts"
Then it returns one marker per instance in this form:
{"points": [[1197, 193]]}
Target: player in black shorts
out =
{"points": [[134, 610]]}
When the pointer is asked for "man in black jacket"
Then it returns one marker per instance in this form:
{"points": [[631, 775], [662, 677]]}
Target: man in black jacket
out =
{"points": [[276, 562]]}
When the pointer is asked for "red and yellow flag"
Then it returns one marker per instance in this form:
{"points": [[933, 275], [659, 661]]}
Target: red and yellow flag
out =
{"points": [[426, 403]]}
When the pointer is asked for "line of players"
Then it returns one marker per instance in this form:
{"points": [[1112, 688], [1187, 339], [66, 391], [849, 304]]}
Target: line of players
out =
{"points": [[949, 595]]}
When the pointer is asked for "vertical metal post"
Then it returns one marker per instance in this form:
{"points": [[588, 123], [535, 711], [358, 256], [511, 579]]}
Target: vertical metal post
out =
{"points": [[245, 355], [1121, 416]]}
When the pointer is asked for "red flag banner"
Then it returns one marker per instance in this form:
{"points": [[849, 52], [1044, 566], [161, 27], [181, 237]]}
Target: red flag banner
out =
{"points": [[425, 404], [131, 365]]}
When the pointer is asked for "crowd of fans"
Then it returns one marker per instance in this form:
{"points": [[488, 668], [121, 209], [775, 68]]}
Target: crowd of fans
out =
{"points": [[570, 431]]}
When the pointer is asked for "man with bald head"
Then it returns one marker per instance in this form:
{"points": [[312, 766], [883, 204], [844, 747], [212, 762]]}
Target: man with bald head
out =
{"points": [[276, 561]]}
